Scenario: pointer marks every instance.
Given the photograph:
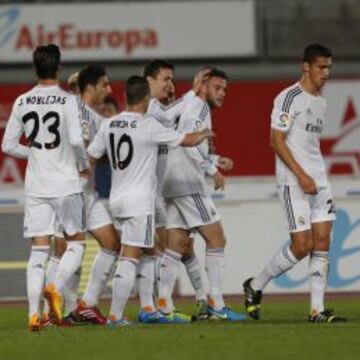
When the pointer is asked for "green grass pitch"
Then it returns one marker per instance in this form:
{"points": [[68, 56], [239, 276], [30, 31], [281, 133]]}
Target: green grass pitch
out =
{"points": [[282, 333]]}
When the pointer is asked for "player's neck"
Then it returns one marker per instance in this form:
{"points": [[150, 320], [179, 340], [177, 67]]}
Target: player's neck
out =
{"points": [[48, 82], [309, 87], [138, 108], [87, 99]]}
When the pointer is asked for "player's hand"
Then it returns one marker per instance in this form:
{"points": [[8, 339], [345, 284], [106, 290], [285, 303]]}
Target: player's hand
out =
{"points": [[199, 79], [219, 181], [207, 133], [225, 163], [86, 173], [307, 184]]}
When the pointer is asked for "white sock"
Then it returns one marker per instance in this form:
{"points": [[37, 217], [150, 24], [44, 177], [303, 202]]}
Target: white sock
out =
{"points": [[157, 273], [69, 263], [100, 272], [71, 291], [193, 269], [169, 268], [215, 265], [145, 278], [319, 266], [50, 276], [280, 263], [123, 282], [35, 276]]}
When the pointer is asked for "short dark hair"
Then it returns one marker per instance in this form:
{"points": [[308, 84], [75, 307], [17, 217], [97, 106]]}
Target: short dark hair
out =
{"points": [[136, 89], [214, 72], [112, 101], [46, 60], [153, 68], [313, 51], [90, 75]]}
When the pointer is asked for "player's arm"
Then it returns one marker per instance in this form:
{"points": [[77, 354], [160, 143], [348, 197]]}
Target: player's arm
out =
{"points": [[75, 134], [11, 140], [97, 147], [281, 123]]}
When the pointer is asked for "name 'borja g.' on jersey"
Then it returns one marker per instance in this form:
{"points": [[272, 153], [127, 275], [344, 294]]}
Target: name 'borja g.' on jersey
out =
{"points": [[50, 119], [302, 116]]}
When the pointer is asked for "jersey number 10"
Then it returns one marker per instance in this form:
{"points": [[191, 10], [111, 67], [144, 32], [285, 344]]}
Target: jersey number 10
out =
{"points": [[116, 160]]}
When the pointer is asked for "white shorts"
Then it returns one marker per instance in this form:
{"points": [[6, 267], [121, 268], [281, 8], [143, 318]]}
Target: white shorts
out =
{"points": [[97, 215], [47, 216], [136, 231], [160, 213], [302, 210], [191, 211]]}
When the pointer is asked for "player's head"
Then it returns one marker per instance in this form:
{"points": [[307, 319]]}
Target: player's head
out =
{"points": [[72, 83], [317, 62], [215, 87], [93, 82], [137, 93], [160, 75], [110, 107], [46, 60]]}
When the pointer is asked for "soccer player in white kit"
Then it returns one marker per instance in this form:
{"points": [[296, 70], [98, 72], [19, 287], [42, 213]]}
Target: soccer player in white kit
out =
{"points": [[163, 107], [55, 151], [297, 121], [189, 204], [131, 140]]}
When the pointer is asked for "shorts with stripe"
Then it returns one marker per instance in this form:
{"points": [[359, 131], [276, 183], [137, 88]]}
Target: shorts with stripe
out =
{"points": [[301, 210], [137, 231], [160, 213], [48, 216], [191, 211], [97, 216]]}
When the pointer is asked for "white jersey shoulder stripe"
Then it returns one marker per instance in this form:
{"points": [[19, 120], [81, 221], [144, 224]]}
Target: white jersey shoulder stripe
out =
{"points": [[290, 97]]}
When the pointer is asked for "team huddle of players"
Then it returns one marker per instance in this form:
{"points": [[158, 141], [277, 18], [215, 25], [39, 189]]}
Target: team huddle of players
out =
{"points": [[160, 150]]}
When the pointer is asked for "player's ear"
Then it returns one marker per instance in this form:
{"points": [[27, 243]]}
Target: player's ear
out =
{"points": [[306, 67]]}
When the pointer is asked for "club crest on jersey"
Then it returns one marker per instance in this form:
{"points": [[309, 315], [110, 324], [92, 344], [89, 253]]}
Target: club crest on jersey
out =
{"points": [[301, 220], [283, 120]]}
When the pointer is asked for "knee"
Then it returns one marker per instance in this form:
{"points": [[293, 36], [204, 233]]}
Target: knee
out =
{"points": [[216, 241], [301, 250]]}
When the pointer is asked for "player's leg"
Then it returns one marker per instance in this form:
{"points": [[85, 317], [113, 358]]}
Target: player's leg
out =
{"points": [[39, 223], [71, 217], [99, 225], [322, 216], [59, 247], [137, 233], [177, 242], [297, 210], [146, 280], [197, 278], [169, 267]]}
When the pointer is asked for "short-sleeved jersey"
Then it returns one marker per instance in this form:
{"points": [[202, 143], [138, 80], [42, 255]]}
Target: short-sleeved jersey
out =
{"points": [[131, 141], [90, 122], [186, 168], [168, 116], [301, 116], [49, 117]]}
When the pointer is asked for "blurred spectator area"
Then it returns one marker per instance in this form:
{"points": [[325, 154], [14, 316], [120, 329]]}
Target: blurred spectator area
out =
{"points": [[284, 28]]}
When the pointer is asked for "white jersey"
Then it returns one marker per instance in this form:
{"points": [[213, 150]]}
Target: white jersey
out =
{"points": [[301, 116], [90, 122], [131, 141], [168, 116], [49, 117], [185, 174]]}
